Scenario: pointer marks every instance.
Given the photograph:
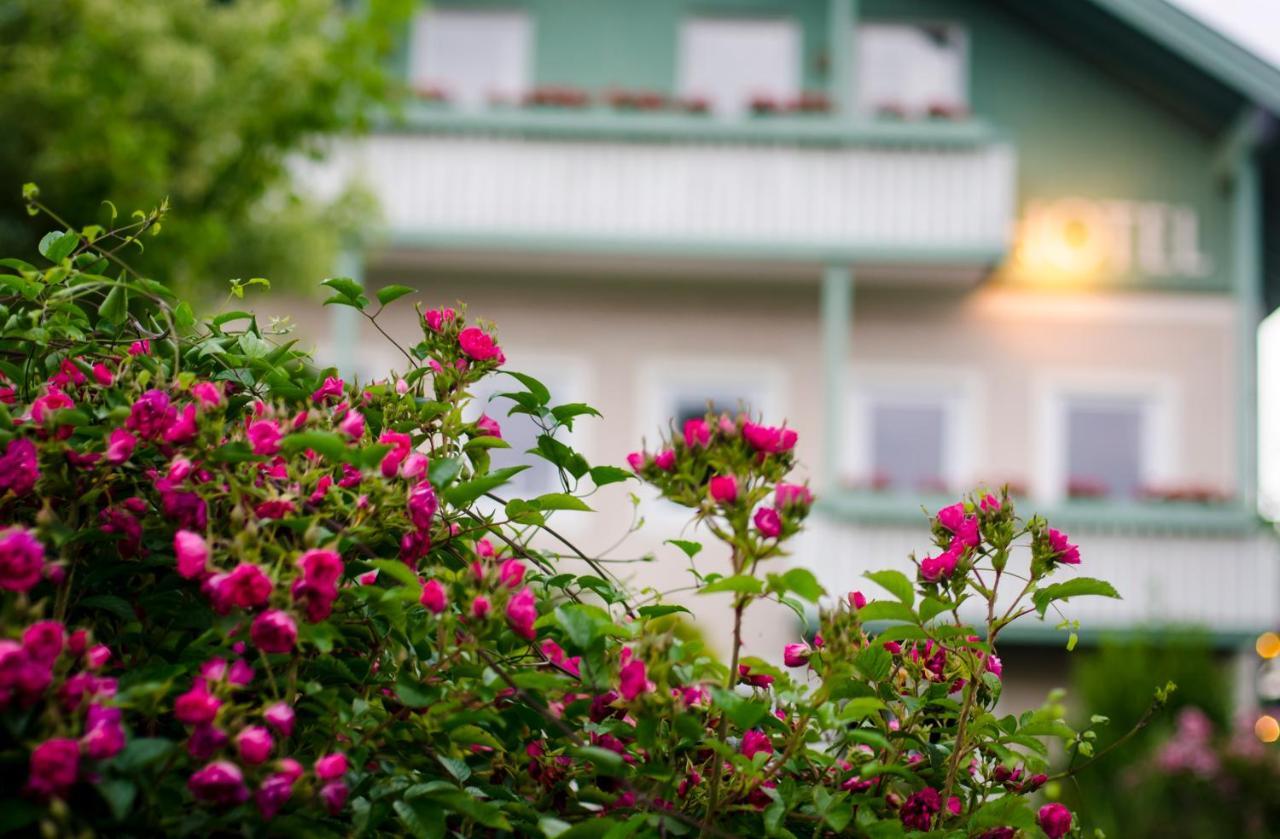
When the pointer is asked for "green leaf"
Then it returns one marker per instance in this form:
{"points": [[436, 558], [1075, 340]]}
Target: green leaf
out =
{"points": [[57, 245], [344, 286], [566, 413], [455, 767], [931, 607], [561, 501], [388, 293], [1006, 811], [424, 819], [1077, 587], [739, 582], [117, 606], [115, 306], [604, 475], [464, 493], [884, 610], [119, 794], [874, 662], [800, 581], [411, 693], [605, 761], [327, 444], [141, 752], [690, 549], [894, 582], [580, 622], [743, 712], [660, 611], [396, 570], [861, 707], [442, 471], [537, 388]]}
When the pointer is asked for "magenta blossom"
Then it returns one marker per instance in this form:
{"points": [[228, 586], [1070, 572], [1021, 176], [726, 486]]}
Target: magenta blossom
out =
{"points": [[633, 680], [280, 717], [192, 554], [437, 318], [331, 766], [254, 744], [951, 517], [488, 426], [220, 783], [274, 631], [21, 559], [1055, 820], [789, 496], [796, 655], [918, 810], [196, 706], [756, 742], [857, 599], [19, 466], [151, 415], [989, 504], [43, 640], [1063, 550], [768, 439], [120, 444], [423, 505], [478, 344], [665, 460], [723, 489], [53, 767], [433, 596], [331, 389], [522, 611], [272, 794], [636, 461], [103, 734], [264, 436], [696, 432], [208, 394], [942, 566], [334, 795], [768, 522], [511, 573]]}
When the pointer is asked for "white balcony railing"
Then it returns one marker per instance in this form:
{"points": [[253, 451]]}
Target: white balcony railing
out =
{"points": [[1228, 584], [694, 194]]}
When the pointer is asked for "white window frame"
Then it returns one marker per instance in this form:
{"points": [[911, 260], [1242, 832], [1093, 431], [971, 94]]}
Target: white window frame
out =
{"points": [[787, 87], [957, 390], [417, 72], [868, 109], [1161, 423]]}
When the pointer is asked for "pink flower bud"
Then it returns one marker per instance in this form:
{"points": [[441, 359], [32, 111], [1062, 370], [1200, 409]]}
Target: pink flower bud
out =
{"points": [[665, 460], [433, 596], [280, 717], [331, 766], [796, 655], [254, 744], [723, 489], [192, 553], [768, 522]]}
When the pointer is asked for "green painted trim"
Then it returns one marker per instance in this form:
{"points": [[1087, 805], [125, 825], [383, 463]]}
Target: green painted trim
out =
{"points": [[1212, 52], [1246, 133], [1155, 518], [841, 15], [608, 124], [817, 252], [344, 322], [837, 329], [1033, 634], [1246, 258]]}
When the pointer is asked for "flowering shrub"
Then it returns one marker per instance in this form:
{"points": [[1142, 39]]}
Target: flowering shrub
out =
{"points": [[321, 615]]}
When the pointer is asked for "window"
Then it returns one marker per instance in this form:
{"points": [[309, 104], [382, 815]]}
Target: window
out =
{"points": [[521, 432], [730, 62], [471, 56], [912, 429], [904, 69], [1104, 434], [908, 442]]}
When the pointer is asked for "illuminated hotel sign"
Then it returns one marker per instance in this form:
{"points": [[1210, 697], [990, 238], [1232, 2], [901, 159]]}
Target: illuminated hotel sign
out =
{"points": [[1082, 239]]}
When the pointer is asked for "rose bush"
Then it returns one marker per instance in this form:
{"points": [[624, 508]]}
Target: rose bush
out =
{"points": [[242, 595]]}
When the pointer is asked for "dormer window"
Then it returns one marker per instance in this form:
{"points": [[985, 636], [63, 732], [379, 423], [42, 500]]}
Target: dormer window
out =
{"points": [[736, 64], [911, 70], [471, 57]]}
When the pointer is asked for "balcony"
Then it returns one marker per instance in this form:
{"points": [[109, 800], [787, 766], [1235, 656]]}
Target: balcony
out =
{"points": [[797, 188]]}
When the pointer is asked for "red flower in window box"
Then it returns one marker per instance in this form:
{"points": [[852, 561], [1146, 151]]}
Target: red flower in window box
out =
{"points": [[764, 105], [1079, 487], [557, 96], [430, 93], [635, 100], [694, 105], [947, 110], [810, 102]]}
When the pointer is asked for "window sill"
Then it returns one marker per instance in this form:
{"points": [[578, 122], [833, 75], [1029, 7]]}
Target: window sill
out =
{"points": [[1156, 518], [607, 123]]}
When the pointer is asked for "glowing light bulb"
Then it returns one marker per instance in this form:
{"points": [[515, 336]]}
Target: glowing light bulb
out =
{"points": [[1267, 729], [1268, 645]]}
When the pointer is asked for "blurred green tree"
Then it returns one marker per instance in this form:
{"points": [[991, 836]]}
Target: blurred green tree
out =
{"points": [[205, 101]]}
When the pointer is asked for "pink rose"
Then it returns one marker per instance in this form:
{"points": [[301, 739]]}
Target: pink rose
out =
{"points": [[43, 640], [696, 432], [935, 568], [103, 734], [522, 611], [220, 783], [788, 496], [665, 460], [352, 425], [280, 717], [633, 680], [247, 586], [192, 554], [1054, 820], [511, 573], [636, 461], [857, 599], [768, 522], [103, 375], [1063, 551], [323, 567], [334, 795], [207, 394], [437, 318], [183, 429], [21, 559], [272, 794], [264, 436], [331, 766], [433, 596], [254, 744], [488, 426], [274, 631], [120, 445], [796, 655], [19, 466], [151, 415], [142, 347], [53, 767], [330, 389], [756, 742], [478, 344], [45, 406], [723, 489], [966, 534], [196, 706], [480, 607], [768, 439], [423, 505], [918, 810], [989, 504]]}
